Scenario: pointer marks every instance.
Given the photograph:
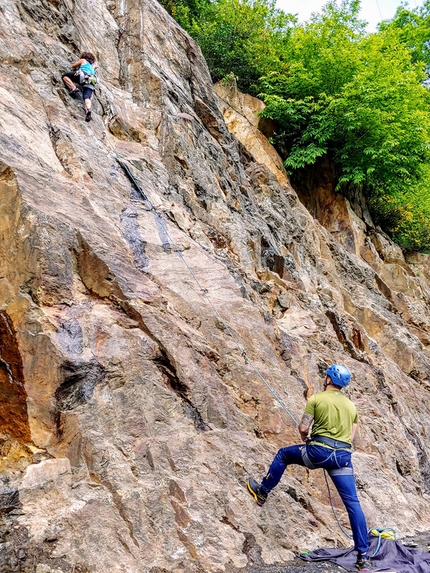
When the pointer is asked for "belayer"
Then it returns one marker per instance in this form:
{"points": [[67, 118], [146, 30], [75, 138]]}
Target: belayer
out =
{"points": [[328, 427], [83, 75]]}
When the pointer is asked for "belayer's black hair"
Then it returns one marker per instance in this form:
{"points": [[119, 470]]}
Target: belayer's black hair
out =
{"points": [[88, 56]]}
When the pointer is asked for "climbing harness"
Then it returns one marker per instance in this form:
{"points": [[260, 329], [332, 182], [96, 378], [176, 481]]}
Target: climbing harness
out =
{"points": [[86, 79], [327, 442]]}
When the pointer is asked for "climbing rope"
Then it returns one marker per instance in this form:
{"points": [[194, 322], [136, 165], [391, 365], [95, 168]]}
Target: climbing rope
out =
{"points": [[382, 533], [387, 533], [379, 9], [333, 509], [204, 293]]}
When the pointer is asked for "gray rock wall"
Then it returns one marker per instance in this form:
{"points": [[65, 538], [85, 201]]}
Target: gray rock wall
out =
{"points": [[129, 419]]}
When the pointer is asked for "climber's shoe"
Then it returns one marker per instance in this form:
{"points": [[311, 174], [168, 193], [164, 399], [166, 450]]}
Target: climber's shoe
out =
{"points": [[255, 490], [363, 563], [74, 92], [88, 116]]}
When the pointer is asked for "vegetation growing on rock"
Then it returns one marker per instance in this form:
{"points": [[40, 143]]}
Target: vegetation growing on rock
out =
{"points": [[336, 91]]}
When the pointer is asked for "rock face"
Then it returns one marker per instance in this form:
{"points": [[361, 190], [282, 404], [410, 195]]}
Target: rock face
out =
{"points": [[129, 417], [241, 114]]}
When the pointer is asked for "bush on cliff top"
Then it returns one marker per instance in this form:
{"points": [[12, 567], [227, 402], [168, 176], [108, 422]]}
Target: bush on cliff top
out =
{"points": [[236, 37], [335, 91]]}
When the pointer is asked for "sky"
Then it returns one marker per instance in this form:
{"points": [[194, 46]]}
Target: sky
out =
{"points": [[372, 11]]}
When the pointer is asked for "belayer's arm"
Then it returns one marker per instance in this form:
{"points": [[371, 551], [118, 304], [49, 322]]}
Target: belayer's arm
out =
{"points": [[305, 426], [353, 431]]}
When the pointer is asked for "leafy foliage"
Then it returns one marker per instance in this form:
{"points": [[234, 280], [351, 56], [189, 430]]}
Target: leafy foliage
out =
{"points": [[413, 27], [368, 110], [184, 11], [240, 37], [407, 218]]}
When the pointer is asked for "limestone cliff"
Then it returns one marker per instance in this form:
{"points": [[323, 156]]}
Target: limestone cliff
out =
{"points": [[129, 418]]}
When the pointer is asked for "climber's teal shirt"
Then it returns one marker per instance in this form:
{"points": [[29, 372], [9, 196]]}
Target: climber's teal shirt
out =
{"points": [[87, 68]]}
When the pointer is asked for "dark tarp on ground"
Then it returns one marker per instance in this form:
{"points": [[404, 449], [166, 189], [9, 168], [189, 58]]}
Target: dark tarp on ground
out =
{"points": [[392, 557]]}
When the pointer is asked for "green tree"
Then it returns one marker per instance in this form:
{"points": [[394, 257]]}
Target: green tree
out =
{"points": [[359, 100]]}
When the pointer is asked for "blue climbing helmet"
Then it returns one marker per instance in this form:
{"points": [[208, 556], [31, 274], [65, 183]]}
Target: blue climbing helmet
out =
{"points": [[339, 375]]}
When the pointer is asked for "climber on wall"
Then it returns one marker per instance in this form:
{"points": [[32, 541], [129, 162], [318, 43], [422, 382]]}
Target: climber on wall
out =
{"points": [[332, 417], [84, 76]]}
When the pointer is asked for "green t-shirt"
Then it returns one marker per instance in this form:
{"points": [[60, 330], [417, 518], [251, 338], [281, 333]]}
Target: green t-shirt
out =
{"points": [[333, 414]]}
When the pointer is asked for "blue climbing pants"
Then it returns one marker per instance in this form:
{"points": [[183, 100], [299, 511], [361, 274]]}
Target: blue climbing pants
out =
{"points": [[327, 459]]}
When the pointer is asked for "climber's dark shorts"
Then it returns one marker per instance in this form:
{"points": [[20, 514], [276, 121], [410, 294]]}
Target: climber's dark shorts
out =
{"points": [[87, 92]]}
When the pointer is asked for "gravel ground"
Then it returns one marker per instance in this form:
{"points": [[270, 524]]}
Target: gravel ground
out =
{"points": [[295, 566], [419, 541]]}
